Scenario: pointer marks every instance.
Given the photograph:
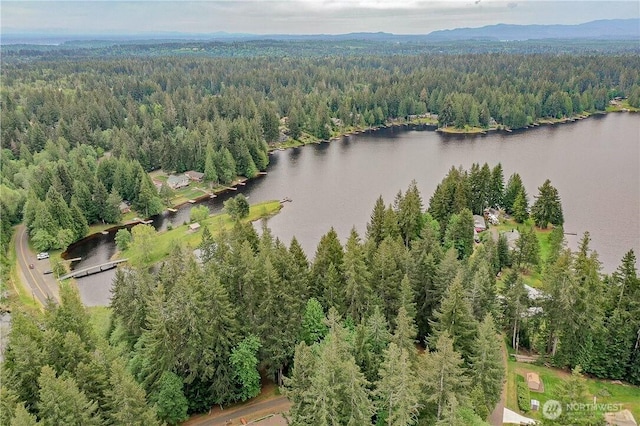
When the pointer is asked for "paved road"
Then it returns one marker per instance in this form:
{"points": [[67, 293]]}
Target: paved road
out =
{"points": [[232, 416], [42, 286]]}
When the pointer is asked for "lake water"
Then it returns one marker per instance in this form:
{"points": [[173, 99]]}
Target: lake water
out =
{"points": [[594, 164]]}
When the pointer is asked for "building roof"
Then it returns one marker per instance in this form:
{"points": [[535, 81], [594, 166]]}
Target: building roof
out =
{"points": [[533, 381], [478, 222], [194, 226], [533, 293], [192, 174], [174, 180], [513, 418], [512, 237]]}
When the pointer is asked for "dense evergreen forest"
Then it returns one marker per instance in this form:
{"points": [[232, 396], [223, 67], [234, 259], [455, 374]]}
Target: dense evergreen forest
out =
{"points": [[78, 136], [398, 326], [342, 333]]}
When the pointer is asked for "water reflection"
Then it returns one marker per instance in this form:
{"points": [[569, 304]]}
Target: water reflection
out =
{"points": [[594, 164]]}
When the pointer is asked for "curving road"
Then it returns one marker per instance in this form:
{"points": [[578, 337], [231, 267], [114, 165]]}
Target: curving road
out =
{"points": [[43, 287]]}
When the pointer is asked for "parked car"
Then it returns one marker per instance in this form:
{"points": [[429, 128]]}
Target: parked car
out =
{"points": [[43, 255]]}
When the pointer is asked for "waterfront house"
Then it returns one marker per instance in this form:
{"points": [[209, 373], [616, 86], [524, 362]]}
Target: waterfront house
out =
{"points": [[479, 224], [176, 182], [194, 176]]}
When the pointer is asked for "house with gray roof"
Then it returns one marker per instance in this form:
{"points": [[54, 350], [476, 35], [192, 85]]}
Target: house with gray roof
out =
{"points": [[176, 182]]}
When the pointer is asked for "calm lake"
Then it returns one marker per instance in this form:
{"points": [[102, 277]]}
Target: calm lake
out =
{"points": [[594, 164]]}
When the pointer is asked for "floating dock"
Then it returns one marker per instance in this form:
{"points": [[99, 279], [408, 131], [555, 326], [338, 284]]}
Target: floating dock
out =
{"points": [[146, 222], [286, 200], [172, 210]]}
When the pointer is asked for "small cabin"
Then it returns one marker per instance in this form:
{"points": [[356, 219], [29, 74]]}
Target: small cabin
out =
{"points": [[533, 382]]}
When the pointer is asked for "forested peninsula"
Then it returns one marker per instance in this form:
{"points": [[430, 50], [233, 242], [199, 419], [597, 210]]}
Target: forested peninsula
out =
{"points": [[400, 326]]}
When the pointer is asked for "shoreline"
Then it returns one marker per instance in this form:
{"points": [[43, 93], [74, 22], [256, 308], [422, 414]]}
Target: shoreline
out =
{"points": [[427, 126]]}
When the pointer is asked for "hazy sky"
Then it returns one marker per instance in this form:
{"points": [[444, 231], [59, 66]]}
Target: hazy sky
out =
{"points": [[298, 16]]}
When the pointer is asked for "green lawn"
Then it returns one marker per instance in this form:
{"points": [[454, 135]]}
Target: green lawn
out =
{"points": [[464, 130], [627, 395], [533, 277], [624, 104], [163, 241]]}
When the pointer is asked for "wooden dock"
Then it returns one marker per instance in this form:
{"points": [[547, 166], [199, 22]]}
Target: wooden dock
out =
{"points": [[262, 173], [146, 222], [286, 200], [172, 210]]}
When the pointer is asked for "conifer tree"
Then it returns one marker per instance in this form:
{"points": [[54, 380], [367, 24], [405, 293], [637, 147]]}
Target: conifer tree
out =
{"points": [[514, 187], [455, 318], [21, 417], [547, 207], [313, 327], [496, 193], [127, 400], [62, 403], [398, 389], [486, 362], [375, 227], [329, 251], [521, 207], [357, 290], [409, 213], [442, 376], [387, 270]]}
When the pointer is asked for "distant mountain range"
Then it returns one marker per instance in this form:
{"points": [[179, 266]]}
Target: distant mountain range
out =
{"points": [[619, 29], [614, 29]]}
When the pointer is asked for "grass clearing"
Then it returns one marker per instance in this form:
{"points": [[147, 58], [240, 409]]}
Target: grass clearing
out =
{"points": [[625, 394], [532, 277], [163, 241]]}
